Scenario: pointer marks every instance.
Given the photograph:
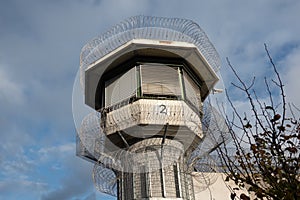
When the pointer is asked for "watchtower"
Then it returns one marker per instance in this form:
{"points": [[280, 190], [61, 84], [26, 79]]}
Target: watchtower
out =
{"points": [[147, 78]]}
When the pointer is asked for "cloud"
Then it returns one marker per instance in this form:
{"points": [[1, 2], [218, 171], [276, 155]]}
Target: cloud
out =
{"points": [[18, 168], [10, 91], [291, 70], [77, 180], [19, 189], [92, 196], [76, 184], [36, 171]]}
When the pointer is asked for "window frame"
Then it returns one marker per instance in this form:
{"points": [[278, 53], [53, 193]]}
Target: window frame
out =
{"points": [[158, 96]]}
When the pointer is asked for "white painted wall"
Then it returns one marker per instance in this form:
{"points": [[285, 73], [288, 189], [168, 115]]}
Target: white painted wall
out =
{"points": [[218, 190]]}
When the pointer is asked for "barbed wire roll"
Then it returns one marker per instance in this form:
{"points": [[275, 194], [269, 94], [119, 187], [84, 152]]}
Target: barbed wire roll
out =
{"points": [[206, 173], [148, 27], [105, 180]]}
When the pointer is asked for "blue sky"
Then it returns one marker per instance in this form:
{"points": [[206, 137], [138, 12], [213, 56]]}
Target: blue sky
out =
{"points": [[40, 43]]}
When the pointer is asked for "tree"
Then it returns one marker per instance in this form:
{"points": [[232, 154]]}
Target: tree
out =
{"points": [[266, 142]]}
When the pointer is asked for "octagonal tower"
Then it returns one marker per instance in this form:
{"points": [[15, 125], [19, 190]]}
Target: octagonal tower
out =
{"points": [[147, 78]]}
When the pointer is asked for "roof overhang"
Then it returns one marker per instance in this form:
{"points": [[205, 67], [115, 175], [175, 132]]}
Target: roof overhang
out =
{"points": [[187, 51]]}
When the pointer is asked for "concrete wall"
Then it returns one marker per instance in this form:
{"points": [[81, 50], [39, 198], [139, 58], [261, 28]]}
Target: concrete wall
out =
{"points": [[218, 190]]}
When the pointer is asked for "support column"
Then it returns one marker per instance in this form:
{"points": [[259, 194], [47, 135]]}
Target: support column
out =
{"points": [[154, 178]]}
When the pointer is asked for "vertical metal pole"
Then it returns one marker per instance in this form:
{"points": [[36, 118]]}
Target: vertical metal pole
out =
{"points": [[162, 182], [139, 81], [150, 182], [123, 139], [182, 87], [179, 180]]}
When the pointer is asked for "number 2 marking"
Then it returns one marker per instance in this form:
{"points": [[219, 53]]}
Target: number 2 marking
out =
{"points": [[163, 109]]}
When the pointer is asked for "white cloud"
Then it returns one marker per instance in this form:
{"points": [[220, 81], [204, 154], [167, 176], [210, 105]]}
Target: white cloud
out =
{"points": [[291, 74], [19, 189], [11, 92], [60, 152], [22, 174], [19, 167]]}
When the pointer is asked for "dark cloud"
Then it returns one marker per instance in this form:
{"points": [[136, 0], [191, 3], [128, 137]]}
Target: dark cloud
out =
{"points": [[76, 181], [76, 184]]}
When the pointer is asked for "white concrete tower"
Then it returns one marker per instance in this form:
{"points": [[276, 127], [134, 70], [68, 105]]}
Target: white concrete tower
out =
{"points": [[147, 78]]}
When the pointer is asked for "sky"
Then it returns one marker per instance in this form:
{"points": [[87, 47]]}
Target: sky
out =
{"points": [[40, 44]]}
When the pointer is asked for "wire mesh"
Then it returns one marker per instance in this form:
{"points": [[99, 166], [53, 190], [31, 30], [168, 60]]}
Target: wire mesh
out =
{"points": [[206, 173], [90, 133], [105, 180], [215, 130], [151, 151]]}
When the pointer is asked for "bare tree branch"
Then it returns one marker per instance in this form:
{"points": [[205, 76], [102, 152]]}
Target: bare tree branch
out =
{"points": [[266, 160]]}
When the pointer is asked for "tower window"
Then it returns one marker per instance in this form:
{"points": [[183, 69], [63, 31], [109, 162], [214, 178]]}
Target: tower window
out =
{"points": [[121, 87], [192, 91], [159, 80]]}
